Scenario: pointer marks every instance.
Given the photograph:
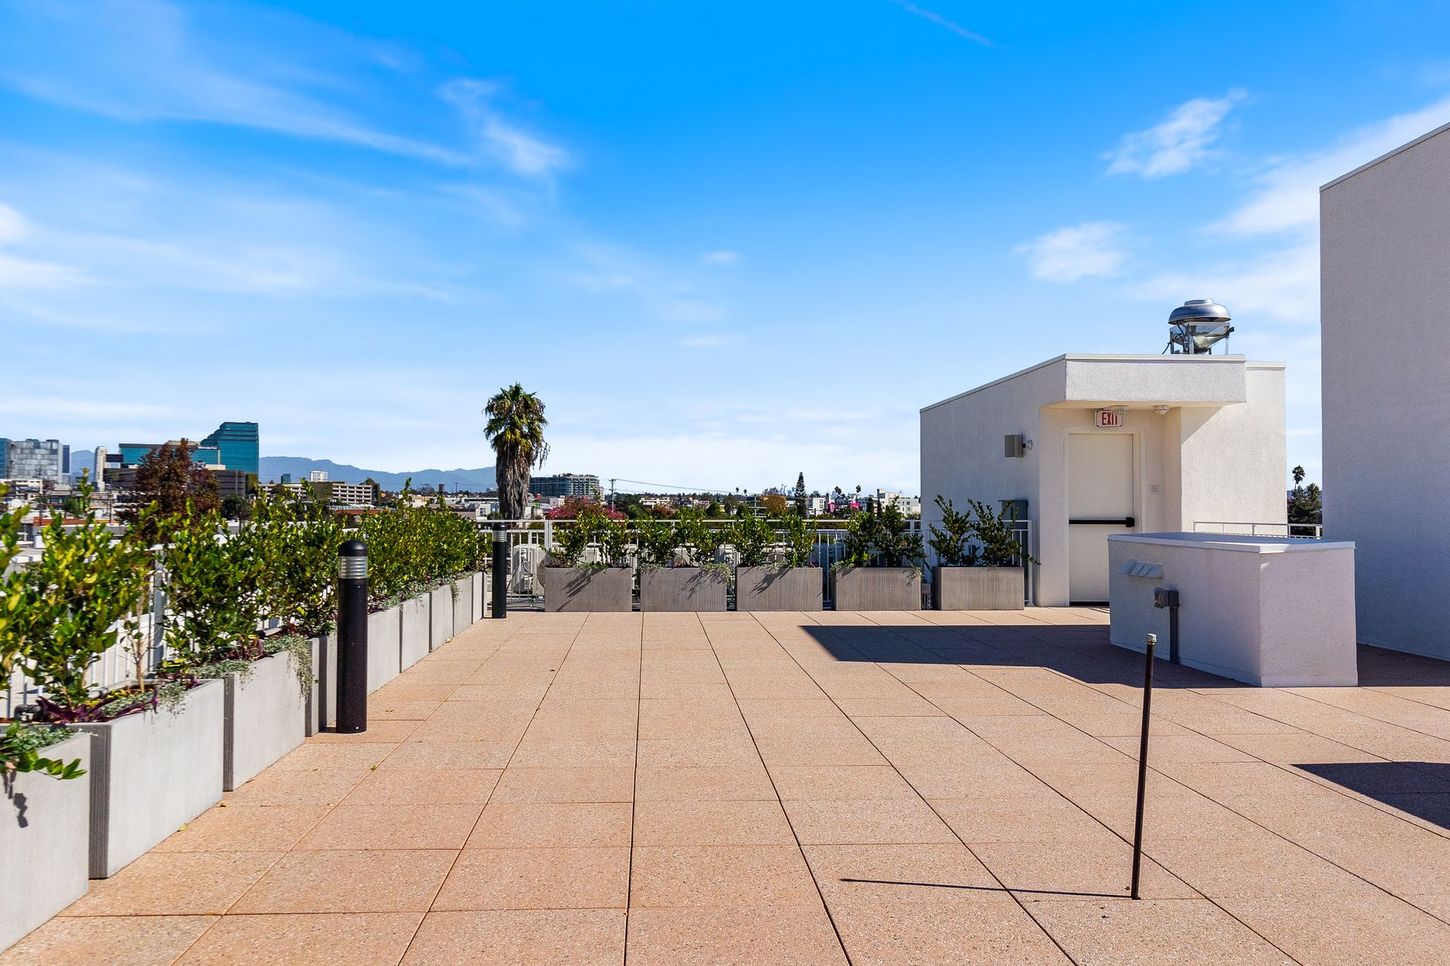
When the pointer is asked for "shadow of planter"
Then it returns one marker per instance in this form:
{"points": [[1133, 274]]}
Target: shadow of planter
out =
{"points": [[877, 588], [44, 837], [778, 588], [462, 605], [440, 616], [415, 622], [266, 717], [587, 589], [151, 773], [976, 588], [682, 589], [384, 646]]}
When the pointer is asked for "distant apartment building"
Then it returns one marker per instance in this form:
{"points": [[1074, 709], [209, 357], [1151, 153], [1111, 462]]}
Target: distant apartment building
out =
{"points": [[47, 460], [338, 493], [565, 485], [908, 505], [317, 476], [1383, 261]]}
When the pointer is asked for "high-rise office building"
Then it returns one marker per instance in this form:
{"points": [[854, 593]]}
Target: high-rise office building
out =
{"points": [[238, 443]]}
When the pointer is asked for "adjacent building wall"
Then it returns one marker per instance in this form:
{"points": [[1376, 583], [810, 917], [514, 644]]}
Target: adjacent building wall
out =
{"points": [[1384, 265]]}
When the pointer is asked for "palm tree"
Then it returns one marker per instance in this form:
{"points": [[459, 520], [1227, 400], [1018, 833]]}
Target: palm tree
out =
{"points": [[516, 430]]}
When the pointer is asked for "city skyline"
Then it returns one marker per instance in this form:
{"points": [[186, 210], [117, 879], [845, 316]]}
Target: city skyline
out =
{"points": [[733, 246]]}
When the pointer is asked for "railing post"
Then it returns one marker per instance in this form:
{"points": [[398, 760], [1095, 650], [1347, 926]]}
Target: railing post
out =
{"points": [[500, 571], [352, 638], [1143, 763]]}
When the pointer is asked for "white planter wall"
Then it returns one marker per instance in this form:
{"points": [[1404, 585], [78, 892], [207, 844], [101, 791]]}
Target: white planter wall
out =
{"points": [[266, 717], [322, 704], [44, 835], [384, 647], [151, 773], [415, 630], [462, 605], [440, 617]]}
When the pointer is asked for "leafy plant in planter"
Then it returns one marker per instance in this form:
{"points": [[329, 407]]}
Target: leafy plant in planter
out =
{"points": [[799, 537], [20, 747], [996, 532], [699, 539], [655, 542], [62, 611], [952, 541], [212, 585], [591, 527], [297, 540], [881, 537], [752, 537]]}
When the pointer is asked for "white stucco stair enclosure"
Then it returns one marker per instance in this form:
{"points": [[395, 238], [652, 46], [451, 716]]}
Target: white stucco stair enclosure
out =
{"points": [[1269, 611], [1089, 446]]}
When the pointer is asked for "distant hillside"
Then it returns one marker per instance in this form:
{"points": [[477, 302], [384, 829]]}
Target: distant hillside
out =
{"points": [[273, 467]]}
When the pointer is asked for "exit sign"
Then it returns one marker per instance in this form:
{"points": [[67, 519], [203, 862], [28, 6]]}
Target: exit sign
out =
{"points": [[1109, 418]]}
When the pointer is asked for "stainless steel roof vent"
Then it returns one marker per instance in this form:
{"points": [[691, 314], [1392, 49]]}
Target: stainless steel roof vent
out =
{"points": [[1196, 326]]}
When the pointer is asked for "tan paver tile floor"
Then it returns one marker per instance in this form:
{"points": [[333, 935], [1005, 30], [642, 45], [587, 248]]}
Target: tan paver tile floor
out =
{"points": [[813, 788]]}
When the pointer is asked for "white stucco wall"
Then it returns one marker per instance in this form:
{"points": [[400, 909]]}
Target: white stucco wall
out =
{"points": [[1217, 455], [1384, 262]]}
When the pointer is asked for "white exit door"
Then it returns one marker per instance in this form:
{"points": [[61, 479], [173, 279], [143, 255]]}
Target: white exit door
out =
{"points": [[1099, 504]]}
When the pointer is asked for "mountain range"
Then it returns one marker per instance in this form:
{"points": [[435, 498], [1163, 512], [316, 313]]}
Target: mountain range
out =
{"points": [[273, 468]]}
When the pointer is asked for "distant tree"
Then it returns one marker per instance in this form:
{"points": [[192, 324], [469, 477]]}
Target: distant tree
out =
{"points": [[800, 493], [168, 479], [236, 507], [715, 510], [1306, 503], [516, 431], [576, 506], [732, 504], [774, 503]]}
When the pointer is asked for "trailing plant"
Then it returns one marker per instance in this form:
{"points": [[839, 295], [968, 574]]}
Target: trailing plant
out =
{"points": [[20, 747], [999, 537], [752, 537], [63, 610], [212, 588], [952, 541]]}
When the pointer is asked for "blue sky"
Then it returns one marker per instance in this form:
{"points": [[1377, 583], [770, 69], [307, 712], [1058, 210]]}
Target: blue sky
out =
{"points": [[724, 241]]}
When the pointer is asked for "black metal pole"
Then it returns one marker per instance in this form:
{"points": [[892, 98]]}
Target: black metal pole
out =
{"points": [[1173, 634], [352, 638], [1143, 762], [500, 570]]}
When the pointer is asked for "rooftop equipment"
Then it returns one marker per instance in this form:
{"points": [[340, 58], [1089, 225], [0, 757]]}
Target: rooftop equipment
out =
{"points": [[1196, 326]]}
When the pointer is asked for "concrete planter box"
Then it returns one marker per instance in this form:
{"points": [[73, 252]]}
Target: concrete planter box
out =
{"points": [[462, 605], [878, 588], [384, 646], [322, 702], [151, 773], [681, 589], [778, 588], [44, 836], [266, 717], [440, 617], [478, 595], [415, 630], [587, 589], [976, 588]]}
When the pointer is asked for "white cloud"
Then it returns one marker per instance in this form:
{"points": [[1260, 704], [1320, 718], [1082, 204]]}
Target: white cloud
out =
{"points": [[521, 152], [1282, 285], [1091, 249], [1180, 143], [721, 257], [1288, 194], [12, 224], [611, 268]]}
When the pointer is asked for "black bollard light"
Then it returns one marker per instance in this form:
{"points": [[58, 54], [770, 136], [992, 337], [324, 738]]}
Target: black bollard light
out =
{"points": [[1143, 763], [500, 570], [352, 638]]}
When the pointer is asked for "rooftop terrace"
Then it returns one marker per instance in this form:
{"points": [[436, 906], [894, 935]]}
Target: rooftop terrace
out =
{"points": [[824, 788]]}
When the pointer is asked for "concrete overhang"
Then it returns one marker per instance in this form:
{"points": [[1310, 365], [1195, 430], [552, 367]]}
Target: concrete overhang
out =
{"points": [[1078, 381]]}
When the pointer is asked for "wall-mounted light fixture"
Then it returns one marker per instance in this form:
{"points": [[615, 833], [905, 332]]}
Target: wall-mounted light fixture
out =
{"points": [[1160, 410], [1015, 447]]}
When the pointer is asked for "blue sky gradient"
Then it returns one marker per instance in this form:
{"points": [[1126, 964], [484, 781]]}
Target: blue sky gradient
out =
{"points": [[725, 241]]}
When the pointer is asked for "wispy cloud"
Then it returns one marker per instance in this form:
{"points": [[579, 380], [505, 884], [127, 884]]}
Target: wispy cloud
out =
{"points": [[18, 272], [711, 340], [723, 257], [1287, 195], [943, 22], [1092, 249], [521, 152], [1281, 285], [611, 268], [1180, 143]]}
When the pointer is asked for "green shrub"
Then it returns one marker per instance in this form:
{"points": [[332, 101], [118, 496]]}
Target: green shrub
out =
{"points": [[212, 589], [952, 541]]}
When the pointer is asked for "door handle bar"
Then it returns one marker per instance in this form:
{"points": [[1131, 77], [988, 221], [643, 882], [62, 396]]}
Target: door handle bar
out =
{"points": [[1128, 522]]}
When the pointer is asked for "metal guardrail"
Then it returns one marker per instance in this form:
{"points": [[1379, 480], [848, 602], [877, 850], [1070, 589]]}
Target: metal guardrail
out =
{"points": [[1298, 531], [530, 541]]}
